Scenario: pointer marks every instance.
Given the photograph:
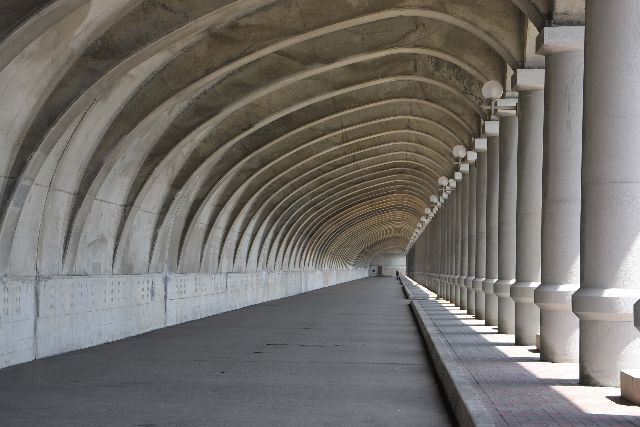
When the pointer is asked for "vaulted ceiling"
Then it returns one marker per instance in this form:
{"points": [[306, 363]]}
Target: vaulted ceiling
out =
{"points": [[219, 135]]}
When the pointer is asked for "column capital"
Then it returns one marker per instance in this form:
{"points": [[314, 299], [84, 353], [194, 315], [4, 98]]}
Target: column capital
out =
{"points": [[560, 39], [491, 128], [480, 145], [525, 79]]}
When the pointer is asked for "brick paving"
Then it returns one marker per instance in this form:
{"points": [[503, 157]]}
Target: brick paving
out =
{"points": [[513, 384]]}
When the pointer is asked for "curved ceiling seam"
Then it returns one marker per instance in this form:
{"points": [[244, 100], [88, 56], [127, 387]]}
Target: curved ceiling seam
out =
{"points": [[361, 207], [21, 106], [312, 256], [310, 242], [325, 96], [162, 167], [309, 216], [260, 151], [390, 179], [366, 234], [346, 245], [427, 160], [244, 248], [131, 219], [325, 232], [272, 49], [221, 239], [200, 134], [26, 32], [311, 199], [302, 227], [171, 42], [264, 237], [336, 27], [280, 239], [233, 199], [335, 93], [372, 252], [56, 175], [345, 240]]}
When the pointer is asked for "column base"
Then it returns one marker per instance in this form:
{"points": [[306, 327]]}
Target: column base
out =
{"points": [[559, 333], [630, 385], [479, 297], [471, 295], [527, 313], [609, 341], [559, 336], [490, 302], [606, 348], [506, 306], [456, 290]]}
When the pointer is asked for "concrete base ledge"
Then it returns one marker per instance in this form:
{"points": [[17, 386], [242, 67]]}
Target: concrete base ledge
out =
{"points": [[41, 317], [630, 385], [457, 382], [413, 290]]}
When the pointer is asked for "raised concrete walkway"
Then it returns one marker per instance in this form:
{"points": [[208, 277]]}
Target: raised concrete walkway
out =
{"points": [[346, 355], [491, 381]]}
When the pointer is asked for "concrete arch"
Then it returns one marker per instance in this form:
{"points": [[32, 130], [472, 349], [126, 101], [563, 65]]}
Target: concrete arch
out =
{"points": [[117, 198]]}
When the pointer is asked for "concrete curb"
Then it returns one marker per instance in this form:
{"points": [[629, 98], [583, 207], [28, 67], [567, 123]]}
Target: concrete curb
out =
{"points": [[457, 382], [413, 291]]}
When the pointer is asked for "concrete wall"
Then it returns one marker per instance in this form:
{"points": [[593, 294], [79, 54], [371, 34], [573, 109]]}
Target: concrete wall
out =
{"points": [[390, 261], [42, 317]]}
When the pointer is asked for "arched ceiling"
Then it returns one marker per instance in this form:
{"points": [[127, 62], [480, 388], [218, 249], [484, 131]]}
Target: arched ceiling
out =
{"points": [[202, 136]]}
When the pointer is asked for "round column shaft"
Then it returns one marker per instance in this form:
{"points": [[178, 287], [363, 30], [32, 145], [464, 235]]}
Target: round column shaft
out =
{"points": [[436, 255], [564, 58], [464, 240], [452, 247], [458, 244], [481, 234], [471, 242], [493, 193], [530, 84], [443, 247], [449, 245], [610, 231], [441, 253], [507, 223]]}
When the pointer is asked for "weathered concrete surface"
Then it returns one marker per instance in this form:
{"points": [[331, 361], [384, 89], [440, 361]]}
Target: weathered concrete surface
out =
{"points": [[78, 312], [499, 383], [346, 355]]}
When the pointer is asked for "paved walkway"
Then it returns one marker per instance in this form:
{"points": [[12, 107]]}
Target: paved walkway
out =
{"points": [[346, 355], [511, 382]]}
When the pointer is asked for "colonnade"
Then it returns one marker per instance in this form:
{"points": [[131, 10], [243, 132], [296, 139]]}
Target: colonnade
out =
{"points": [[542, 234]]}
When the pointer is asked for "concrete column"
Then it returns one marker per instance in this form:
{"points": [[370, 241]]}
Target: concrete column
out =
{"points": [[436, 254], [563, 49], [464, 239], [481, 234], [452, 246], [458, 245], [493, 193], [471, 245], [507, 223], [441, 252], [610, 231], [530, 85], [447, 246]]}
